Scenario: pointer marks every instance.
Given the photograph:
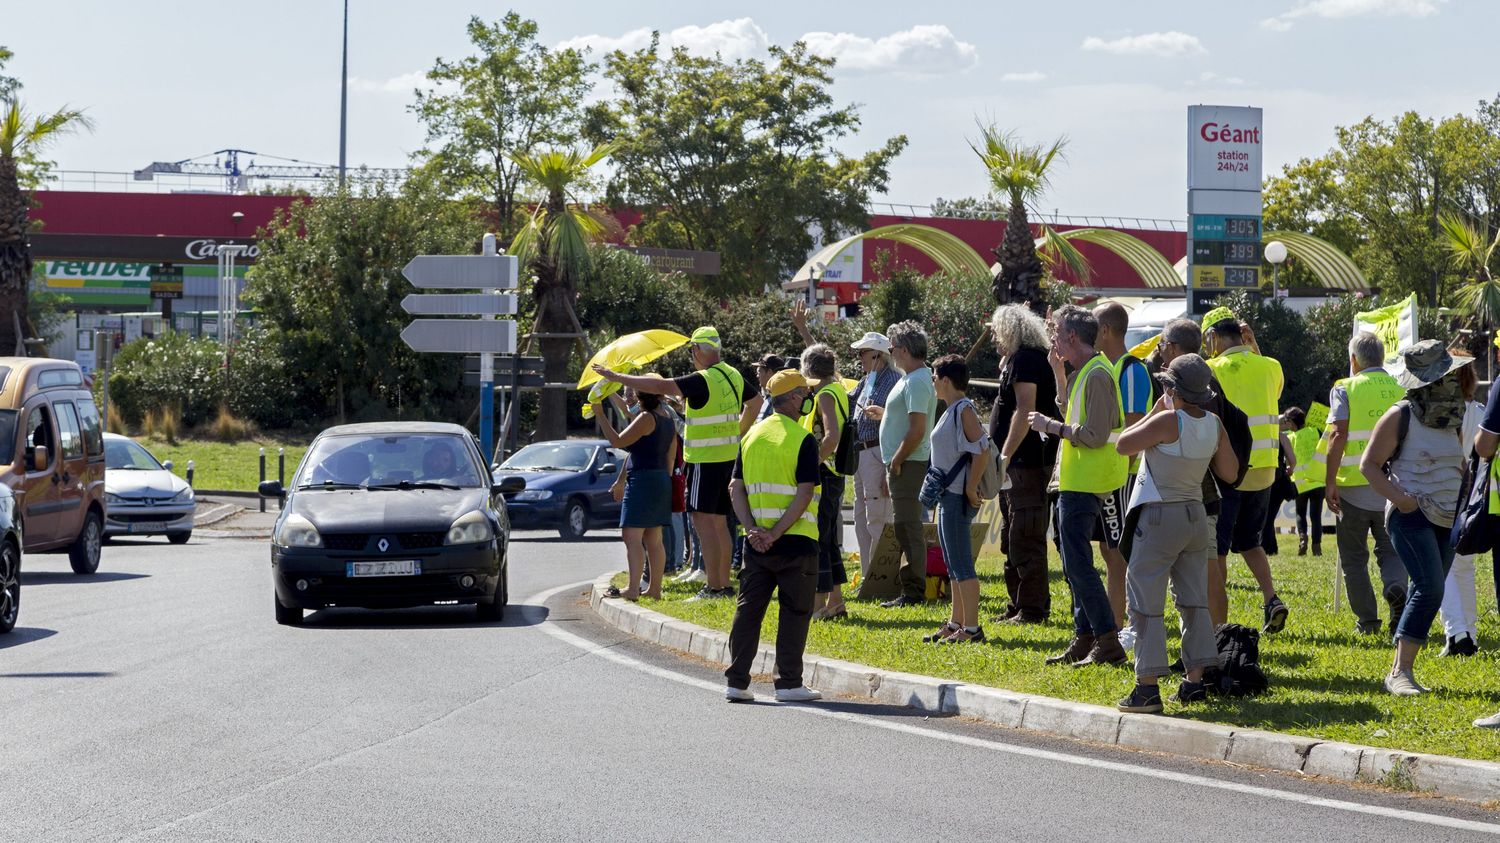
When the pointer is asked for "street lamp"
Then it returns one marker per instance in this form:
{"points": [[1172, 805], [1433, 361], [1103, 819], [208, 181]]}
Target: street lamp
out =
{"points": [[1276, 254]]}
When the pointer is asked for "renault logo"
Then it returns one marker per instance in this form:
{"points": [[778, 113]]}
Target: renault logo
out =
{"points": [[384, 545]]}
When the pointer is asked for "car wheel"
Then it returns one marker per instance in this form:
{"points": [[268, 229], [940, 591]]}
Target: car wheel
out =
{"points": [[179, 538], [575, 520], [10, 586], [84, 553], [287, 615]]}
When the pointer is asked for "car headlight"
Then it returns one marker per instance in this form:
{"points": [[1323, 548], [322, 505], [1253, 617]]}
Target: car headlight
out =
{"points": [[109, 498], [534, 495], [472, 528], [184, 496], [296, 531]]}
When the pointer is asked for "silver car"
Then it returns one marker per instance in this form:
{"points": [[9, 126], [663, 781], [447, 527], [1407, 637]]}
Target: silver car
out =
{"points": [[142, 497]]}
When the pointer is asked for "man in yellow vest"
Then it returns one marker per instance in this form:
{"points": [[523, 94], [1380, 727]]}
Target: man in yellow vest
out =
{"points": [[1252, 382], [1088, 469], [1135, 397], [1355, 404], [1308, 475], [721, 406], [775, 494]]}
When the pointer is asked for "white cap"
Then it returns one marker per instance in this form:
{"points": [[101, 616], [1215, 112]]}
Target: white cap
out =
{"points": [[872, 340]]}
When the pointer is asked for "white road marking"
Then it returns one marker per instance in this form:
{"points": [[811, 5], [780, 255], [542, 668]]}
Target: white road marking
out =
{"points": [[608, 653]]}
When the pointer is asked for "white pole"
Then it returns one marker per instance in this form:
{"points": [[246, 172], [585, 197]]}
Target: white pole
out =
{"points": [[487, 376]]}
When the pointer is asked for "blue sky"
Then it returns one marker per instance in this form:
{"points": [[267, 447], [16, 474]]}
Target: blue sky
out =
{"points": [[168, 80]]}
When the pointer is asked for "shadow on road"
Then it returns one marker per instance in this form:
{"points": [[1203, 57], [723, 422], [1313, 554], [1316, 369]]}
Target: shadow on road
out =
{"points": [[426, 617], [543, 539], [57, 577], [864, 709], [63, 674], [24, 635]]}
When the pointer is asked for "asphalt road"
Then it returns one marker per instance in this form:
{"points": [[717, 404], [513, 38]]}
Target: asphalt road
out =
{"points": [[159, 700]]}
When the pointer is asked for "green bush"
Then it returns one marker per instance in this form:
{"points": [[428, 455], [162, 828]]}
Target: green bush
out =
{"points": [[621, 295], [151, 373], [259, 388]]}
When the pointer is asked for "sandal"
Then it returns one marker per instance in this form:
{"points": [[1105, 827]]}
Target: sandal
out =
{"points": [[613, 591], [943, 632], [840, 612]]}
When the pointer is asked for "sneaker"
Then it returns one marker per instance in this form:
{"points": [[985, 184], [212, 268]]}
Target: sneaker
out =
{"points": [[801, 693], [1491, 722], [1403, 684], [645, 585], [704, 594], [963, 636], [738, 695], [1144, 699], [1190, 692], [1127, 638], [898, 602], [942, 633], [1275, 616], [696, 575]]}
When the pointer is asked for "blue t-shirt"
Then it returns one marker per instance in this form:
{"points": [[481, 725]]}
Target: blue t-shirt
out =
{"points": [[1491, 420], [1135, 387], [914, 393]]}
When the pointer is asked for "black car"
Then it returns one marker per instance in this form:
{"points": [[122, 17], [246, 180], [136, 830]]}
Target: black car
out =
{"points": [[10, 561], [390, 515]]}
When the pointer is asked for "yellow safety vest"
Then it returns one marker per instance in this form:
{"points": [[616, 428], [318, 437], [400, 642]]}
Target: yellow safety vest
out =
{"points": [[1495, 486], [840, 411], [1098, 470], [1370, 395], [768, 459], [712, 433], [1309, 472], [1253, 383]]}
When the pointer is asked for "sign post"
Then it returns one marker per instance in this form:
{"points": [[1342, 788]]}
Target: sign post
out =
{"points": [[1224, 202], [489, 272]]}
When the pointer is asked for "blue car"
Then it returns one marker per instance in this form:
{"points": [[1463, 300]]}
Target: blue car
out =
{"points": [[567, 486]]}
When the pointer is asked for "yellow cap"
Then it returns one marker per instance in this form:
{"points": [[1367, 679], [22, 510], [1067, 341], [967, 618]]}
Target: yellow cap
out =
{"points": [[707, 335], [1215, 316], [784, 381]]}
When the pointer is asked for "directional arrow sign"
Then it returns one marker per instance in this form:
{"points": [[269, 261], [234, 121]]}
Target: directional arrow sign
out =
{"points": [[459, 304], [504, 365], [461, 336], [463, 272]]}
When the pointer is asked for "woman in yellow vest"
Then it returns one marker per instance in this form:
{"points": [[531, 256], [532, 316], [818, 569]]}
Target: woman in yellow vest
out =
{"points": [[1308, 476]]}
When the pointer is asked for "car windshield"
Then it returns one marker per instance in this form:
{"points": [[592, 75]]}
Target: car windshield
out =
{"points": [[551, 455], [7, 436], [391, 460], [124, 455]]}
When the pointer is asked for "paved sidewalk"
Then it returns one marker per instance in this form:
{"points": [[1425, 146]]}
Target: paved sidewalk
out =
{"points": [[242, 523]]}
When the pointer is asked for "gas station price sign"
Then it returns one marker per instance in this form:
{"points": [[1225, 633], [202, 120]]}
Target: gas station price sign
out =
{"points": [[1224, 201]]}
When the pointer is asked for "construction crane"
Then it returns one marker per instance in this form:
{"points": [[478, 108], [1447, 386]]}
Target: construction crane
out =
{"points": [[226, 163]]}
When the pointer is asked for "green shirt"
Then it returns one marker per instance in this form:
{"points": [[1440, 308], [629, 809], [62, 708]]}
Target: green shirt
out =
{"points": [[914, 393]]}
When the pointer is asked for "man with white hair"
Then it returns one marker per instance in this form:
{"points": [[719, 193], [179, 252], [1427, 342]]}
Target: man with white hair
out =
{"points": [[1355, 404], [872, 499], [721, 406]]}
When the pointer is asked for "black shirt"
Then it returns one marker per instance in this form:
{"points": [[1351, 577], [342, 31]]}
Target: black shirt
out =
{"points": [[1027, 365], [694, 387], [807, 472]]}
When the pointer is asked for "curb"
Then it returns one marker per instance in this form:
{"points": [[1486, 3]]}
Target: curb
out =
{"points": [[1440, 775], [222, 512]]}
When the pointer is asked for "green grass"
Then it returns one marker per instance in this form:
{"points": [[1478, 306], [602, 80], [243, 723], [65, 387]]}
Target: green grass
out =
{"points": [[226, 467], [1325, 680]]}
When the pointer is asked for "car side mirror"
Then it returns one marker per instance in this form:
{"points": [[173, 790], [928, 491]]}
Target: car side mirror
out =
{"points": [[36, 459], [508, 486], [609, 468], [167, 465], [272, 489]]}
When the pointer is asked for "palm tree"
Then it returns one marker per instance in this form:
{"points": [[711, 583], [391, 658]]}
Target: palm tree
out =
{"points": [[22, 137], [1019, 173], [554, 245], [1473, 256]]}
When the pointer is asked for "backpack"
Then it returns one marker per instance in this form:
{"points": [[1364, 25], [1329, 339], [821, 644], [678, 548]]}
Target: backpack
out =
{"points": [[1238, 672], [846, 455], [993, 480]]}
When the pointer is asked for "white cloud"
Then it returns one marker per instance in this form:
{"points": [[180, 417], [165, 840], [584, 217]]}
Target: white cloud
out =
{"points": [[922, 50], [1161, 44], [731, 39], [1339, 9], [1028, 76], [1208, 78], [403, 84]]}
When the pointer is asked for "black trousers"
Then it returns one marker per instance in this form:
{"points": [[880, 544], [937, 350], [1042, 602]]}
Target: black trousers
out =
{"points": [[1310, 508], [794, 579], [1024, 543]]}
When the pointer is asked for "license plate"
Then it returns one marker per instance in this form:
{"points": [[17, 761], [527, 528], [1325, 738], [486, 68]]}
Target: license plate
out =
{"points": [[149, 527], [385, 568]]}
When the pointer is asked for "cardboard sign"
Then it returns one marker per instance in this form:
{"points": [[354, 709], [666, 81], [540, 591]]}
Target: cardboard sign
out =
{"points": [[1317, 415], [883, 580]]}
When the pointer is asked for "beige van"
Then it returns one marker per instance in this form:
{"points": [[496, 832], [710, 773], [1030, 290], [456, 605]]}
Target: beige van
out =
{"points": [[52, 457]]}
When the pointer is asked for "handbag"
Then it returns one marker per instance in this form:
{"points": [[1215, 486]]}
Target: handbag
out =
{"points": [[1474, 526], [937, 480], [846, 456]]}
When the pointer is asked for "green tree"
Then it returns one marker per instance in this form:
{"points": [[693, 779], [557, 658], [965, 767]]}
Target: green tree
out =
{"points": [[1019, 173], [514, 95], [741, 158], [23, 136], [328, 285], [624, 295], [554, 245], [1473, 254], [8, 84]]}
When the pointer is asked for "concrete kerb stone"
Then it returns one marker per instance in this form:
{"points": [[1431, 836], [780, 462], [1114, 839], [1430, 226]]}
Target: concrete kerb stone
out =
{"points": [[1436, 774]]}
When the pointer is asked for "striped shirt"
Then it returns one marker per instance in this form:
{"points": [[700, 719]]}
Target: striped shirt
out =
{"points": [[886, 379]]}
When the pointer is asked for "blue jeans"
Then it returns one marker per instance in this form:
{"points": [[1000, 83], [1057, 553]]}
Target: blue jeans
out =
{"points": [[1427, 555], [1078, 515], [953, 520]]}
